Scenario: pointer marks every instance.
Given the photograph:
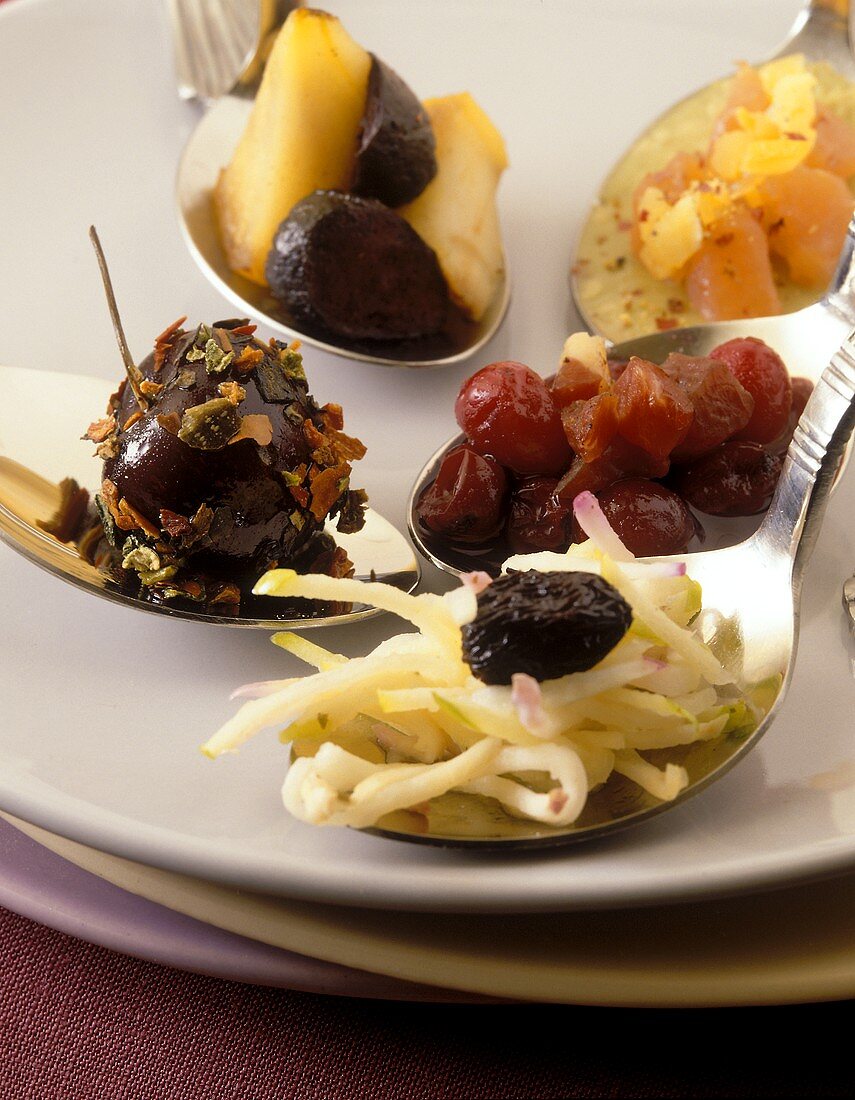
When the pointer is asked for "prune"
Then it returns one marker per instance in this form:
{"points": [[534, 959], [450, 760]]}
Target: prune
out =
{"points": [[649, 519], [355, 268], [762, 372], [543, 624], [506, 410], [466, 499], [537, 519], [396, 148], [736, 479]]}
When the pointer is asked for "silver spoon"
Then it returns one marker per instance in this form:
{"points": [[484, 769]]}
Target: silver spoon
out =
{"points": [[32, 462], [821, 32], [208, 150], [751, 591]]}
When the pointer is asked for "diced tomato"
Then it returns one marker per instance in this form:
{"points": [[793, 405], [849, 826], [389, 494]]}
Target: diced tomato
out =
{"points": [[722, 404], [590, 425], [620, 459], [807, 211], [652, 410], [574, 382], [762, 372], [731, 275]]}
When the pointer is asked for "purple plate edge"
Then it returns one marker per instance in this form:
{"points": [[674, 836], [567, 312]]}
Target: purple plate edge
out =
{"points": [[41, 886]]}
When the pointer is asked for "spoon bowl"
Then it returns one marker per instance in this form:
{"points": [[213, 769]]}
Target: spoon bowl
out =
{"points": [[208, 151], [613, 293], [751, 591], [31, 464]]}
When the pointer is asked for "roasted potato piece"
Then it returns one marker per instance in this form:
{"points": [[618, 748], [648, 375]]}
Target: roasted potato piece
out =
{"points": [[301, 135], [456, 213]]}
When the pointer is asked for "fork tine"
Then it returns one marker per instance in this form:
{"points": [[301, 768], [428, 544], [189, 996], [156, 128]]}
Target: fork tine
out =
{"points": [[213, 40]]}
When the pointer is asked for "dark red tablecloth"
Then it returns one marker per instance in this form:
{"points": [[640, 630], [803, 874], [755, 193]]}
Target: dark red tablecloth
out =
{"points": [[80, 1022]]}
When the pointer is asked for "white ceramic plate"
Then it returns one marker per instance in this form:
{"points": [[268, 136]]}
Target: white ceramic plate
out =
{"points": [[102, 710]]}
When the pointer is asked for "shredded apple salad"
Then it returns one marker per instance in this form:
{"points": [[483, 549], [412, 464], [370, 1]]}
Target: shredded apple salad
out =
{"points": [[410, 722]]}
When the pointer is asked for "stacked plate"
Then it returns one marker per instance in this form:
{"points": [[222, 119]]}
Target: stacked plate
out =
{"points": [[121, 832]]}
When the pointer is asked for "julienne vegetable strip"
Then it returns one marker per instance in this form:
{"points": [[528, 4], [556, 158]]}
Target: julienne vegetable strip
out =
{"points": [[410, 722]]}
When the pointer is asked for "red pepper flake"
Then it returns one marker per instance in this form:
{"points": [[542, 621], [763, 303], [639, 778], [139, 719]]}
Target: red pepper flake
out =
{"points": [[724, 239], [643, 215], [110, 495], [793, 136], [174, 524], [249, 358], [98, 430], [149, 388], [255, 426], [676, 305], [664, 323], [300, 495], [162, 343], [127, 511], [325, 489], [624, 226], [170, 422], [333, 415], [234, 391], [244, 330]]}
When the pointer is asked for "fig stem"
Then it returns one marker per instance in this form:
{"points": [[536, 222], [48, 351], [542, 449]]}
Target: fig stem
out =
{"points": [[135, 376]]}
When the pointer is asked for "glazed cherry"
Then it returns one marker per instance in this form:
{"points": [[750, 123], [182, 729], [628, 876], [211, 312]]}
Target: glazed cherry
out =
{"points": [[649, 519], [507, 411], [802, 389], [466, 500], [736, 479], [538, 520], [762, 372]]}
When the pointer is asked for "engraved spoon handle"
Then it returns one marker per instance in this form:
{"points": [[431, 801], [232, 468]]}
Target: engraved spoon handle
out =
{"points": [[793, 519]]}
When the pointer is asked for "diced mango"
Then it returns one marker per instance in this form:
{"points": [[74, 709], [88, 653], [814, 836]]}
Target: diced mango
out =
{"points": [[731, 275], [807, 212]]}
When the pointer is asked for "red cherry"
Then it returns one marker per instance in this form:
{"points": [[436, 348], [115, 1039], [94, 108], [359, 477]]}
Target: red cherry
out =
{"points": [[762, 372], [507, 411], [466, 500]]}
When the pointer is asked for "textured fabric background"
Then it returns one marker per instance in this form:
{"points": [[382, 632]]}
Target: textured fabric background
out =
{"points": [[81, 1023]]}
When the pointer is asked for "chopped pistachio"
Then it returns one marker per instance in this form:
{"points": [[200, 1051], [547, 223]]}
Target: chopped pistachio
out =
{"points": [[291, 362], [209, 426], [186, 378], [141, 558], [291, 478], [217, 361], [157, 576], [194, 354], [298, 520]]}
